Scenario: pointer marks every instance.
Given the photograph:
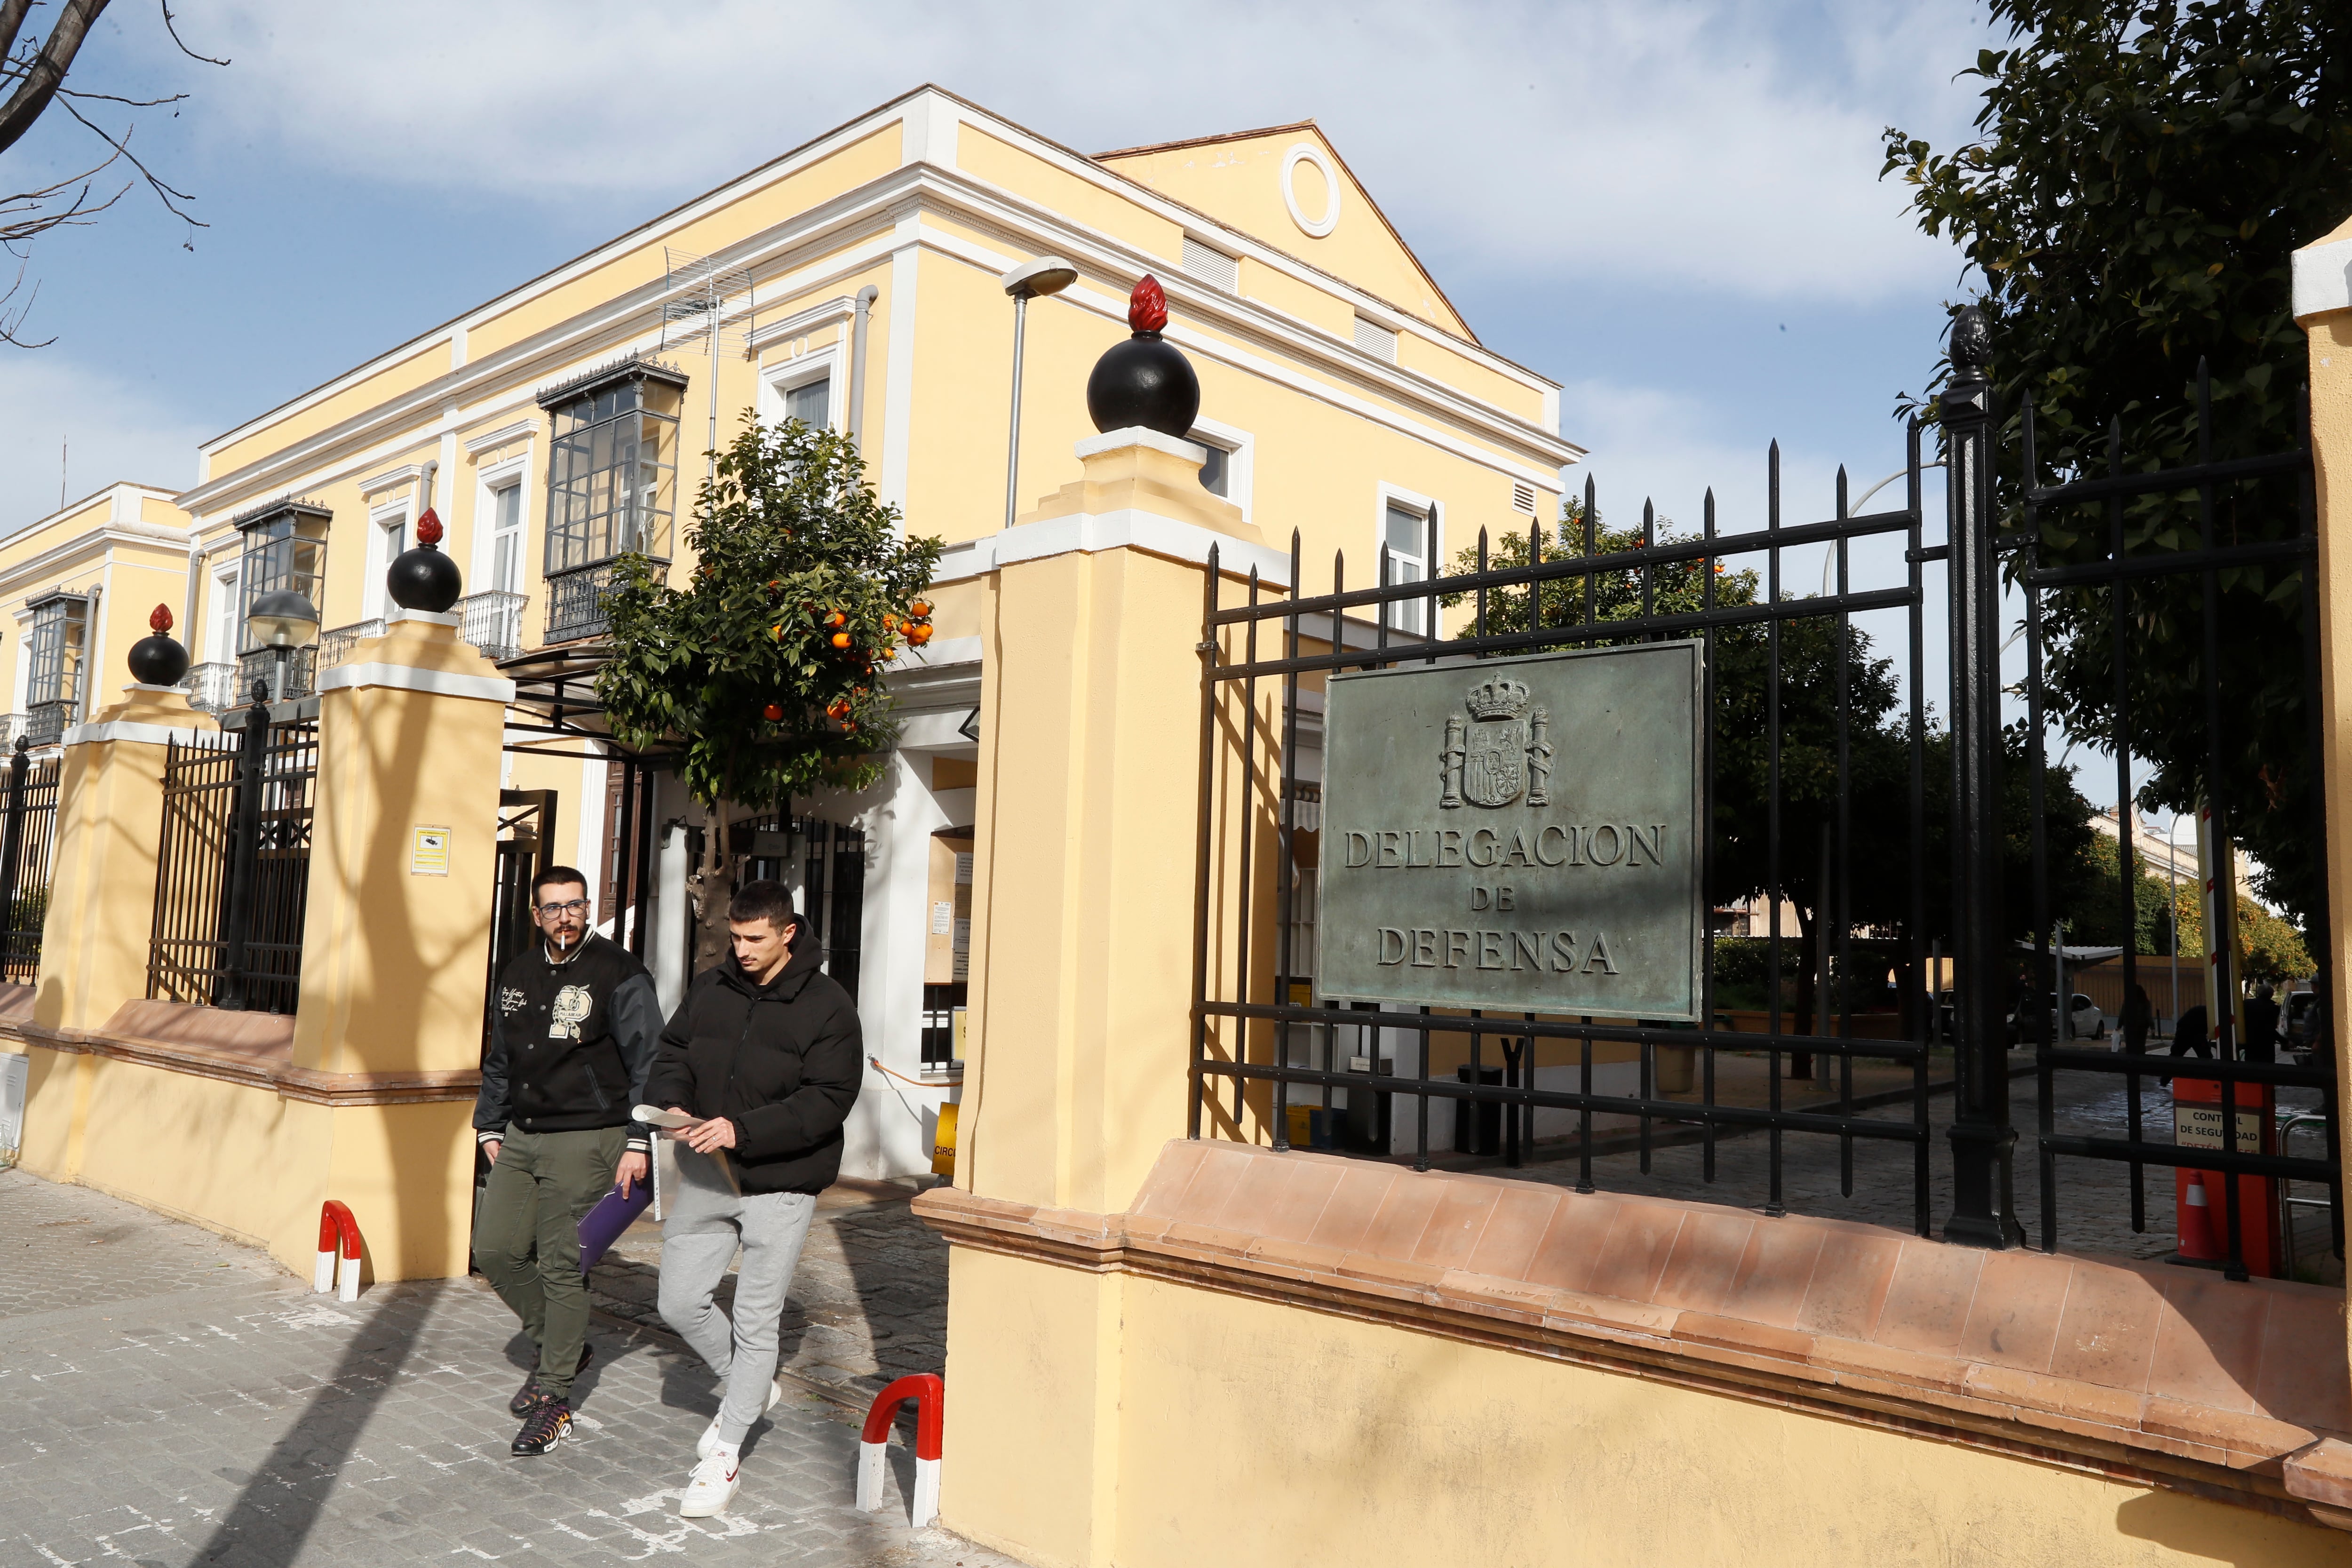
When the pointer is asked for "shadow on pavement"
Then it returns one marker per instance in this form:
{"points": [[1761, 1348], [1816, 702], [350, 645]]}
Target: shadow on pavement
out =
{"points": [[280, 1502]]}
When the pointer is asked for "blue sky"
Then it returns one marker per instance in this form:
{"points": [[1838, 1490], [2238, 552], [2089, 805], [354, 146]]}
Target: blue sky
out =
{"points": [[1674, 208]]}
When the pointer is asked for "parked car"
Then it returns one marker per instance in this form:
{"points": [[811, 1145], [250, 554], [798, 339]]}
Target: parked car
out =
{"points": [[2083, 1021]]}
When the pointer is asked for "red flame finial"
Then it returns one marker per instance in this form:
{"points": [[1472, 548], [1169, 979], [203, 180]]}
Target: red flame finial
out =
{"points": [[160, 621], [1147, 308], [428, 528]]}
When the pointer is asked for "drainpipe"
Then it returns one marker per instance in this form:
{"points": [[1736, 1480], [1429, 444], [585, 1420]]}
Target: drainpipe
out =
{"points": [[93, 644], [195, 567], [865, 297]]}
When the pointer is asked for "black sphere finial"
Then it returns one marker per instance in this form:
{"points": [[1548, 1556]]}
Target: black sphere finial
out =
{"points": [[422, 578], [1971, 348], [159, 659]]}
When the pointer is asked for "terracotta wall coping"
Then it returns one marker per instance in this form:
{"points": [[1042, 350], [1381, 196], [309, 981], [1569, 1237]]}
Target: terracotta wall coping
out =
{"points": [[254, 1049], [2169, 1375]]}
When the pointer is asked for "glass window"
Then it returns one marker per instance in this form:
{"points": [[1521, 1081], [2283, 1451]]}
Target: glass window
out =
{"points": [[228, 616], [1405, 536], [506, 536], [811, 401], [1217, 473], [58, 624], [611, 475], [283, 549]]}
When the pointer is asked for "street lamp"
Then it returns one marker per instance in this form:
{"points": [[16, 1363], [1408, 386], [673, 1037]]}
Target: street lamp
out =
{"points": [[1030, 281], [281, 621]]}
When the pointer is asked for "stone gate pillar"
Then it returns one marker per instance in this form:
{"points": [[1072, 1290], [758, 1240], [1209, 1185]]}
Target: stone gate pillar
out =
{"points": [[2322, 308], [395, 944], [1082, 960]]}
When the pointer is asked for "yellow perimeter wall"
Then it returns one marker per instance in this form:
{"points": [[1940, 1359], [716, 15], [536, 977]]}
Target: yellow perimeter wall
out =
{"points": [[1235, 1430]]}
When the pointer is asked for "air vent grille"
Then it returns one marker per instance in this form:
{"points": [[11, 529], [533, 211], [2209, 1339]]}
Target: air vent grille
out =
{"points": [[1376, 339], [1523, 497], [1212, 265]]}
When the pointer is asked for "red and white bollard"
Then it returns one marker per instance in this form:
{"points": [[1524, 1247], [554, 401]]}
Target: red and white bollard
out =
{"points": [[930, 1395], [338, 1267]]}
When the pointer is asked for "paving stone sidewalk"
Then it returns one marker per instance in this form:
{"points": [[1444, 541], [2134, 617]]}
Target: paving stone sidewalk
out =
{"points": [[175, 1399]]}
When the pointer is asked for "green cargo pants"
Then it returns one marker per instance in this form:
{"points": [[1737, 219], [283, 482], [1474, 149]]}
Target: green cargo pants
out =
{"points": [[542, 1187]]}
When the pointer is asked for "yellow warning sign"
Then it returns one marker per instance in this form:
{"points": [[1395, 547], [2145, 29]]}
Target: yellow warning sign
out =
{"points": [[428, 852]]}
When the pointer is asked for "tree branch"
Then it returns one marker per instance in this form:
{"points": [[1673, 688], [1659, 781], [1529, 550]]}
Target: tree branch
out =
{"points": [[165, 193], [48, 73], [175, 31]]}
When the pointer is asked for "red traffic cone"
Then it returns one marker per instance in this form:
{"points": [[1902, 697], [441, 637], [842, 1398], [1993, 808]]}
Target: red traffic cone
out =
{"points": [[2196, 1237]]}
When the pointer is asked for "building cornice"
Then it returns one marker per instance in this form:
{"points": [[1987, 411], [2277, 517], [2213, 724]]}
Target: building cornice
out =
{"points": [[873, 212], [92, 546]]}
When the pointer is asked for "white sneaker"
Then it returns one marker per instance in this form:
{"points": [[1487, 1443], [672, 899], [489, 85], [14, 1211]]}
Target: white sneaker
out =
{"points": [[710, 1438], [711, 1488]]}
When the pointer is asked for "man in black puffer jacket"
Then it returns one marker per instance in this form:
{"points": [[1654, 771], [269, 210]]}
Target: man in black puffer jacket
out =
{"points": [[766, 1056], [577, 1020]]}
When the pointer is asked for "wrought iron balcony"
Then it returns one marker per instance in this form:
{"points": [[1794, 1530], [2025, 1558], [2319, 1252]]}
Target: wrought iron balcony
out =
{"points": [[13, 725], [575, 602], [211, 688], [492, 621], [261, 664], [335, 644], [45, 724]]}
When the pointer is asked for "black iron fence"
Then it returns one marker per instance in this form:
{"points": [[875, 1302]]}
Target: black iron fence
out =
{"points": [[1882, 833], [26, 840], [525, 833], [233, 870]]}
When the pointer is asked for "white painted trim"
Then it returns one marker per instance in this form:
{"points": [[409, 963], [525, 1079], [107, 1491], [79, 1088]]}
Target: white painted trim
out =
{"points": [[898, 371], [937, 654], [94, 546], [2322, 278], [1307, 153], [1128, 528], [505, 435], [126, 729], [407, 677], [379, 553], [489, 481], [937, 730], [1241, 460], [401, 476], [809, 319], [928, 130], [822, 234], [823, 361], [1139, 436], [424, 618]]}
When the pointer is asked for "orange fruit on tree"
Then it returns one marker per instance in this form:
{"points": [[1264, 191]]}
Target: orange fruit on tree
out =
{"points": [[918, 636], [919, 609], [773, 712], [841, 639]]}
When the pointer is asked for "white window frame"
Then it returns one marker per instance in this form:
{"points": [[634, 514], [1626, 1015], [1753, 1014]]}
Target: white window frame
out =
{"points": [[24, 674], [1241, 448], [223, 626], [374, 604], [779, 379], [487, 483], [1385, 496]]}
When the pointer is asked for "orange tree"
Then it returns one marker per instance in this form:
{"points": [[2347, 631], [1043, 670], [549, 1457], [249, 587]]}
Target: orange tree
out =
{"points": [[760, 673]]}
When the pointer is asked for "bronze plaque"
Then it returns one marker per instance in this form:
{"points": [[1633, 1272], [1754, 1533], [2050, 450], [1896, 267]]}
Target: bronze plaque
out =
{"points": [[1519, 834]]}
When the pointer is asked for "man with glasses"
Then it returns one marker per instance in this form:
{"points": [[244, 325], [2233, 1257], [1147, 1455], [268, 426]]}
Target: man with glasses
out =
{"points": [[577, 1022]]}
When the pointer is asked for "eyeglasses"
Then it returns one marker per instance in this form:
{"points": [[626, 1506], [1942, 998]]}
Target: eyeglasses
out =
{"points": [[574, 906]]}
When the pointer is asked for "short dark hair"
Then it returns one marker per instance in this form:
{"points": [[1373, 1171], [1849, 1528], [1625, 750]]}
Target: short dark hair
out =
{"points": [[551, 875], [763, 899]]}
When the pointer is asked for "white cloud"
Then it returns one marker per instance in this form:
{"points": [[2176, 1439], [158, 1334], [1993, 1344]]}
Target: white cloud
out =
{"points": [[110, 430], [1708, 145]]}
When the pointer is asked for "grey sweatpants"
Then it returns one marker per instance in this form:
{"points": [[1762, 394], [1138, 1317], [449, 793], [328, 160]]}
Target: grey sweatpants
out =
{"points": [[699, 1241]]}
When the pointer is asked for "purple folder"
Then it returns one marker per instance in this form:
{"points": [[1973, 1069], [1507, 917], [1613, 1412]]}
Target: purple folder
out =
{"points": [[602, 1225]]}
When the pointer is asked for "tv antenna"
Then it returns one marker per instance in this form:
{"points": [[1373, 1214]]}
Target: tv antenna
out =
{"points": [[695, 291]]}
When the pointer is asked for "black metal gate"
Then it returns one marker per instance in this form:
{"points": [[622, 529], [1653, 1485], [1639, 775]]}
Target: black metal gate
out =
{"points": [[1893, 826], [232, 866], [831, 881], [526, 831], [26, 840]]}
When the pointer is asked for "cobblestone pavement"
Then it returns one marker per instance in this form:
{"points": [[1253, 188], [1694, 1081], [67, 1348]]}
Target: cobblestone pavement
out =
{"points": [[868, 1303], [175, 1399]]}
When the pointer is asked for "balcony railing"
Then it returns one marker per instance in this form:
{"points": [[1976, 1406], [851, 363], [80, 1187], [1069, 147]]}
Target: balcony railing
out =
{"points": [[492, 621], [261, 664], [13, 725], [335, 644], [575, 602], [211, 688], [45, 724]]}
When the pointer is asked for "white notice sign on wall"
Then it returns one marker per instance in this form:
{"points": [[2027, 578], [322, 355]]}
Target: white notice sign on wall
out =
{"points": [[428, 852], [942, 918]]}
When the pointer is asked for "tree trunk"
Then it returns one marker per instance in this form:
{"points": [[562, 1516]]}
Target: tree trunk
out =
{"points": [[709, 887]]}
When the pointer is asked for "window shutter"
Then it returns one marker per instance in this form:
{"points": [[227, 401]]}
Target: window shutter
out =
{"points": [[1212, 265], [1376, 339]]}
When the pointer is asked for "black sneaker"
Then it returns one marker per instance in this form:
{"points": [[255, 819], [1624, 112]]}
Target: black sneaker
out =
{"points": [[549, 1423], [529, 1395]]}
